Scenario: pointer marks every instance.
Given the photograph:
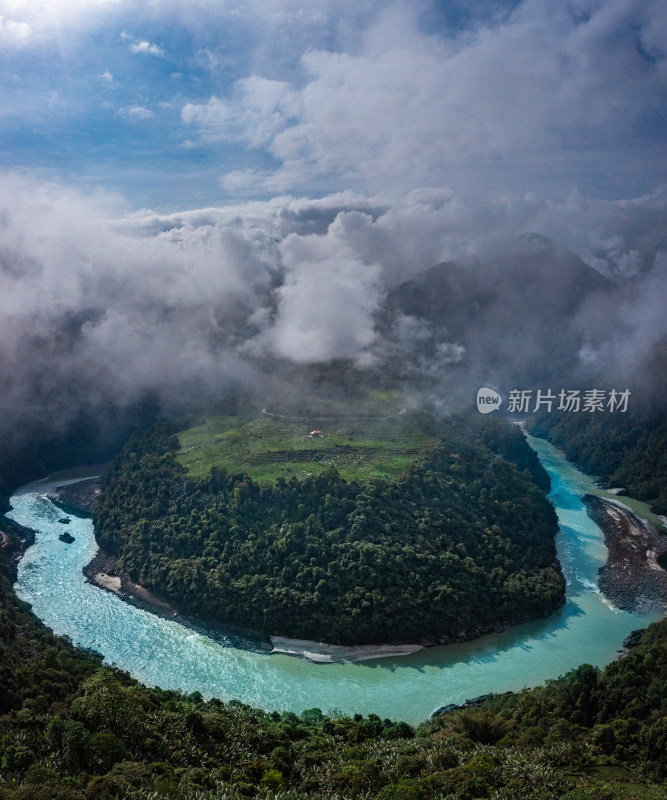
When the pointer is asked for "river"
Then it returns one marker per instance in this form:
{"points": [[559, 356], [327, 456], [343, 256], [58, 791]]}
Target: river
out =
{"points": [[162, 652]]}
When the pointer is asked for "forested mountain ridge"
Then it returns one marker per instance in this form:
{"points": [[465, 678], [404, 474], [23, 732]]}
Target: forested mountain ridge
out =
{"points": [[460, 543]]}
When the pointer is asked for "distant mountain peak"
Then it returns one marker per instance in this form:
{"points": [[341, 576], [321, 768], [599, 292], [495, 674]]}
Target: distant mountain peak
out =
{"points": [[538, 239]]}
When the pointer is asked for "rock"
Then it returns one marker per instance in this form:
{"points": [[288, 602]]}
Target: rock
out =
{"points": [[445, 710], [471, 702], [632, 639], [66, 537], [64, 520], [475, 701]]}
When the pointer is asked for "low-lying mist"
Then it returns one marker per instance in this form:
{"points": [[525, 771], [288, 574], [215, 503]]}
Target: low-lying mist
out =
{"points": [[116, 317]]}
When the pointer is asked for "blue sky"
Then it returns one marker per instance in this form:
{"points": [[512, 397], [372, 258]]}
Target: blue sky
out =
{"points": [[178, 105]]}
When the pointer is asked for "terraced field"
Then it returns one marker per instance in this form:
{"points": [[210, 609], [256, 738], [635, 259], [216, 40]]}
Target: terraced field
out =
{"points": [[268, 446]]}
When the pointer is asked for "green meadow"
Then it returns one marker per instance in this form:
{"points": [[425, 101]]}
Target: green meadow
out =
{"points": [[377, 438]]}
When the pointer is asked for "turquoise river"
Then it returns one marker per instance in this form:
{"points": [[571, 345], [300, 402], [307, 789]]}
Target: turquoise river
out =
{"points": [[162, 652]]}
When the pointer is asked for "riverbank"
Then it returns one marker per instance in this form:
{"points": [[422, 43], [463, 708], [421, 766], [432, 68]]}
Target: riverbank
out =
{"points": [[15, 539], [77, 498], [632, 579], [323, 653], [104, 572]]}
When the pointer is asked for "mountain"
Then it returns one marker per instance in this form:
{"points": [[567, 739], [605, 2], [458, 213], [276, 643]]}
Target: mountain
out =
{"points": [[516, 319]]}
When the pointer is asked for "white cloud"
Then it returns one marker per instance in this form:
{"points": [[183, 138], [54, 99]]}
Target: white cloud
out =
{"points": [[240, 182], [81, 295], [107, 76], [13, 33], [107, 304], [34, 20], [134, 112], [259, 110], [136, 45], [326, 303], [144, 46], [520, 98]]}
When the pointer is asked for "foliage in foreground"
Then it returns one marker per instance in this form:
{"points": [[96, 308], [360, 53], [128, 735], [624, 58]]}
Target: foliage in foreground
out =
{"points": [[71, 729]]}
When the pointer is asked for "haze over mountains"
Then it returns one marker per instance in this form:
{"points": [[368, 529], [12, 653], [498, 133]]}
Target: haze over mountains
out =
{"points": [[524, 318], [131, 319]]}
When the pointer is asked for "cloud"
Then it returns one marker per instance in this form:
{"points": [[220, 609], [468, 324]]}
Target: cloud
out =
{"points": [[409, 139], [326, 303], [13, 33], [644, 323], [92, 313], [136, 45], [542, 88], [109, 304], [376, 97], [34, 21], [261, 109], [143, 46], [135, 113]]}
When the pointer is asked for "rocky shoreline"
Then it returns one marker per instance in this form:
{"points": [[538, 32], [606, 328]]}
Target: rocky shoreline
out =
{"points": [[632, 579], [15, 539], [323, 653], [103, 572]]}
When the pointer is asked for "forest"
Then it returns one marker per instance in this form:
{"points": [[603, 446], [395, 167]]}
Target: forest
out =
{"points": [[624, 450], [72, 729], [463, 541]]}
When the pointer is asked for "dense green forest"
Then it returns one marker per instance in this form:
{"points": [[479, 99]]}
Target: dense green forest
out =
{"points": [[71, 729], [462, 541], [625, 450]]}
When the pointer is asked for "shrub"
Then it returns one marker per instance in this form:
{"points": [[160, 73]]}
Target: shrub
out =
{"points": [[38, 774], [17, 758], [482, 726], [404, 790], [105, 751], [410, 764], [103, 788], [271, 779]]}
